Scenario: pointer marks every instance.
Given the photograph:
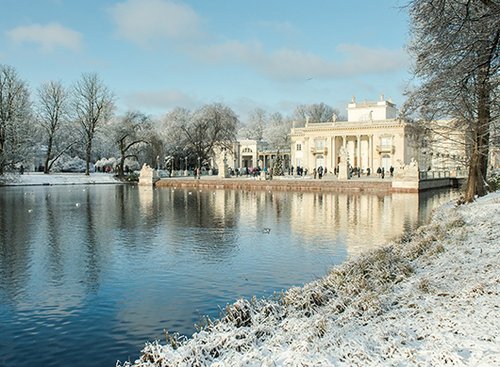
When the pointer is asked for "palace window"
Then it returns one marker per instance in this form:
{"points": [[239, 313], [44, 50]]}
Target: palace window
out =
{"points": [[246, 150], [320, 144], [298, 147], [386, 141]]}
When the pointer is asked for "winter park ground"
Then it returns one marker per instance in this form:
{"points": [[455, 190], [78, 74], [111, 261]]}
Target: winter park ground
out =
{"points": [[429, 299]]}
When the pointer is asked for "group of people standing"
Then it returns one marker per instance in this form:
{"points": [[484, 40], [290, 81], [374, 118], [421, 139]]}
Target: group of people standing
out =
{"points": [[320, 171], [381, 171]]}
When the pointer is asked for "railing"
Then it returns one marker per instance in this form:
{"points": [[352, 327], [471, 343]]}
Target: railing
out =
{"points": [[385, 149], [323, 150], [433, 175]]}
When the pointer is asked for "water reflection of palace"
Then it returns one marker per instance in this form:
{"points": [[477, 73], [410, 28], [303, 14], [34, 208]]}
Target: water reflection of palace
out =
{"points": [[358, 221], [361, 221]]}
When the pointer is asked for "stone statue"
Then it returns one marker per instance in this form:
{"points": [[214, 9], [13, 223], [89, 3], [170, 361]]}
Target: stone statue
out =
{"points": [[342, 172], [148, 176], [343, 154], [334, 117], [407, 172]]}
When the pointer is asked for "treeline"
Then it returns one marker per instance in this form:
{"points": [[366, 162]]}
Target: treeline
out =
{"points": [[56, 125]]}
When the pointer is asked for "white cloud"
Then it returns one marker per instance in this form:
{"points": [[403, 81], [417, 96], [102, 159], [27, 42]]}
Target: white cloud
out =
{"points": [[143, 21], [287, 64], [48, 37]]}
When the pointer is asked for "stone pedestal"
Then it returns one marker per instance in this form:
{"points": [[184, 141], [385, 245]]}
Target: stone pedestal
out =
{"points": [[407, 177], [224, 171], [343, 165], [343, 175], [148, 176]]}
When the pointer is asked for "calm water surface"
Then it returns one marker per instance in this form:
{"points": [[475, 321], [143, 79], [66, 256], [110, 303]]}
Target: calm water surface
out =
{"points": [[88, 274]]}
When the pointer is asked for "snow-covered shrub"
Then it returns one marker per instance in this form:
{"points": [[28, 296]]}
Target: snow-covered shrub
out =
{"points": [[132, 164], [106, 164], [66, 163], [493, 180]]}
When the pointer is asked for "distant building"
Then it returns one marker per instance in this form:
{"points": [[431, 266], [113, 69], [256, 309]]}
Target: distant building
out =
{"points": [[373, 136], [247, 154]]}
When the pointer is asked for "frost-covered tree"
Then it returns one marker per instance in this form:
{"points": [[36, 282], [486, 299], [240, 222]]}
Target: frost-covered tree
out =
{"points": [[93, 106], [195, 134], [254, 128], [455, 45], [277, 131], [52, 117], [130, 133], [15, 118]]}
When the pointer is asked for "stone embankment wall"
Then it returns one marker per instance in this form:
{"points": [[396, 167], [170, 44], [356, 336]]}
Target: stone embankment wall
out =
{"points": [[280, 185]]}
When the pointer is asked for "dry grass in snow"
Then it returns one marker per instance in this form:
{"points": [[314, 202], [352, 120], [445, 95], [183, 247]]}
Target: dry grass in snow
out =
{"points": [[431, 299]]}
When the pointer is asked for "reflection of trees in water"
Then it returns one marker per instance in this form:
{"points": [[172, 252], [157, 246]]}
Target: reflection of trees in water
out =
{"points": [[208, 221], [15, 237], [92, 244], [55, 229]]}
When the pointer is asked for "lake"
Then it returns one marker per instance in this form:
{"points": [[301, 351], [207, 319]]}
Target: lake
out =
{"points": [[88, 274]]}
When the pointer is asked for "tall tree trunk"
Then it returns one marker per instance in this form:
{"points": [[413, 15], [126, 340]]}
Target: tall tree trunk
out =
{"points": [[479, 160], [2, 150], [475, 182], [47, 158], [88, 152]]}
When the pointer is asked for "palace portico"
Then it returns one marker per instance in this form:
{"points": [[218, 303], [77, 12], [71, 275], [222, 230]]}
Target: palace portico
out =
{"points": [[372, 136]]}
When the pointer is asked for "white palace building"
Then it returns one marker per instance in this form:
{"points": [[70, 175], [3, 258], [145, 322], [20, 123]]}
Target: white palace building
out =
{"points": [[373, 136]]}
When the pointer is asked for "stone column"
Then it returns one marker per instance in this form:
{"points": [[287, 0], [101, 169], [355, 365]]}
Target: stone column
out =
{"points": [[358, 142], [328, 158], [370, 152], [334, 155]]}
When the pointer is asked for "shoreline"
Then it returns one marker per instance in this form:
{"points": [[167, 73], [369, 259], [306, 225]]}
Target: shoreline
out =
{"points": [[429, 299], [279, 183], [55, 179]]}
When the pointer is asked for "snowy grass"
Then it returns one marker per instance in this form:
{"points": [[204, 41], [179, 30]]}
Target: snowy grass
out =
{"points": [[429, 299]]}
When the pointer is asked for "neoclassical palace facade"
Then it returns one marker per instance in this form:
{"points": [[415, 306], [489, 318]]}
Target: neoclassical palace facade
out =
{"points": [[373, 136]]}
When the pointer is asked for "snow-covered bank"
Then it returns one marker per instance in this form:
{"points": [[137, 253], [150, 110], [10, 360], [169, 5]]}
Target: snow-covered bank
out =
{"points": [[429, 300], [32, 179]]}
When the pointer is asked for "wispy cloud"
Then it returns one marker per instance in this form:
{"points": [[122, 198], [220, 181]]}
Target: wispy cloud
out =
{"points": [[161, 100], [145, 21], [47, 37], [289, 64]]}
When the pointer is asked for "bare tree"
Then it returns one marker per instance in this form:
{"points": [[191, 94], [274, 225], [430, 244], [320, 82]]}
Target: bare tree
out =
{"points": [[15, 114], [455, 44], [316, 112], [52, 116], [198, 133], [277, 131], [254, 128], [93, 104], [130, 132]]}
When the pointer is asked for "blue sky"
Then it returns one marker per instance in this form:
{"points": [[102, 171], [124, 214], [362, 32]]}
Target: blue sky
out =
{"points": [[159, 54]]}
